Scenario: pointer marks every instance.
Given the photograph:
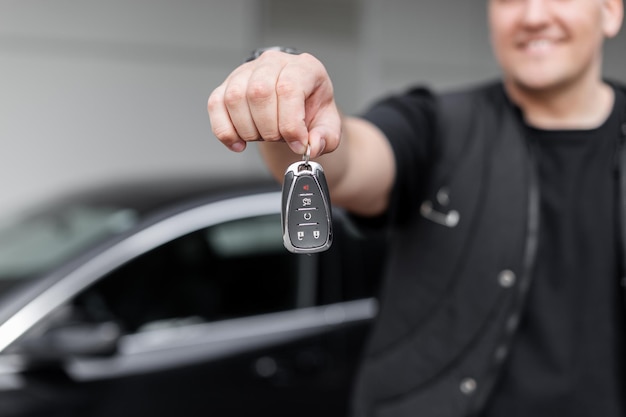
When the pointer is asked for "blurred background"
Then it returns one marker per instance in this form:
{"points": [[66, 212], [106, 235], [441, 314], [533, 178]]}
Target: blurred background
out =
{"points": [[99, 90]]}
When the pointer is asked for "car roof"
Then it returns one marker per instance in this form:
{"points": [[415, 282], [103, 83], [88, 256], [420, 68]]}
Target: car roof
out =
{"points": [[148, 194]]}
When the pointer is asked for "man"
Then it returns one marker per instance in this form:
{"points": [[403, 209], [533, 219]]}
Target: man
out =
{"points": [[506, 203]]}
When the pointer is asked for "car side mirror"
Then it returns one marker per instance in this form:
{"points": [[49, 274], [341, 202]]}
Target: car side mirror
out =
{"points": [[71, 340]]}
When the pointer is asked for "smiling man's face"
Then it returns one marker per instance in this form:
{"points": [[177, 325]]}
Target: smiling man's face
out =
{"points": [[545, 44]]}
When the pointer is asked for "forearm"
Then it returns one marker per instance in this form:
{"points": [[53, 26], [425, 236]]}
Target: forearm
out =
{"points": [[365, 168]]}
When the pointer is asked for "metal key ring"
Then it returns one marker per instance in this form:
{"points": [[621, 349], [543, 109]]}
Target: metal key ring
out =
{"points": [[307, 154]]}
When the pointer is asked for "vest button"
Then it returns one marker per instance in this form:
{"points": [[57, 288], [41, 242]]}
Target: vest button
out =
{"points": [[506, 278], [468, 386], [501, 353], [511, 323]]}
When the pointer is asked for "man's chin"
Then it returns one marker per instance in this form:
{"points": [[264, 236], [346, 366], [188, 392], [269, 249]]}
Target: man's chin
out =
{"points": [[539, 83]]}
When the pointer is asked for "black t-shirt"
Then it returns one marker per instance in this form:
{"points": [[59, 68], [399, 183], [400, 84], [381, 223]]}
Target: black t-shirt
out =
{"points": [[566, 357]]}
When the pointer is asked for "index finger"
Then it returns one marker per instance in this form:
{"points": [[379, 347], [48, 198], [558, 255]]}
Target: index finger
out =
{"points": [[296, 83]]}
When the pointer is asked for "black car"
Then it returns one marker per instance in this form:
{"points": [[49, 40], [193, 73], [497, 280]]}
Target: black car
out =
{"points": [[178, 298]]}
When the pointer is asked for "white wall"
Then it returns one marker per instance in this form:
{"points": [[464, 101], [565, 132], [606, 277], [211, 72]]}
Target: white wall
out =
{"points": [[91, 90]]}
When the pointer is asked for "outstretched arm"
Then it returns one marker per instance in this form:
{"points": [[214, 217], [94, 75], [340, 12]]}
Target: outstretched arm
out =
{"points": [[286, 102]]}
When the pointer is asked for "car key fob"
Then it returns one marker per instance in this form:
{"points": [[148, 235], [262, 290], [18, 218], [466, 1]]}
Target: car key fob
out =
{"points": [[306, 210]]}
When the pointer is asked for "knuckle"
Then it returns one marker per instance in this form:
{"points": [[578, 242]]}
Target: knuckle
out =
{"points": [[286, 87], [270, 55], [214, 102], [259, 91], [311, 62], [234, 95], [308, 57]]}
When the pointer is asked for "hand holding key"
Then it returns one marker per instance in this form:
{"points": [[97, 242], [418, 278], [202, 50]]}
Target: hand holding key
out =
{"points": [[280, 97], [277, 97]]}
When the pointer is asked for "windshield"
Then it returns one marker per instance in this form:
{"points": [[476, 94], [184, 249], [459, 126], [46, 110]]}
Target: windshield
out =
{"points": [[34, 243]]}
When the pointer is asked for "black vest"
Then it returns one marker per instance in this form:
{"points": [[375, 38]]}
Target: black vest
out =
{"points": [[458, 272]]}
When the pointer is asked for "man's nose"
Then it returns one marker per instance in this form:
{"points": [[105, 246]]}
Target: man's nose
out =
{"points": [[536, 12]]}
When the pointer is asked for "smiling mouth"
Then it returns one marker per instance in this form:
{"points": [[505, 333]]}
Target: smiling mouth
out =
{"points": [[538, 46]]}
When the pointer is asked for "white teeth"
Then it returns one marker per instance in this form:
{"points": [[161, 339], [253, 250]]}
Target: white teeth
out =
{"points": [[539, 44]]}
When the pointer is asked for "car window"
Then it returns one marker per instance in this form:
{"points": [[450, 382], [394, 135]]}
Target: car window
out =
{"points": [[36, 242], [229, 270]]}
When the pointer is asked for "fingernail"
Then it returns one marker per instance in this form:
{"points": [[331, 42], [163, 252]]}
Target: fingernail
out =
{"points": [[238, 146], [322, 146]]}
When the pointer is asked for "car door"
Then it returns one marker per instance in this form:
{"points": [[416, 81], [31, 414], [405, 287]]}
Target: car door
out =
{"points": [[203, 315]]}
